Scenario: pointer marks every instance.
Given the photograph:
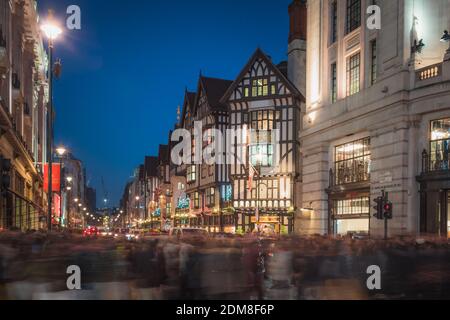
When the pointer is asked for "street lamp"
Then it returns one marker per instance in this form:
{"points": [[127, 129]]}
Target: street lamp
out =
{"points": [[61, 151], [51, 31]]}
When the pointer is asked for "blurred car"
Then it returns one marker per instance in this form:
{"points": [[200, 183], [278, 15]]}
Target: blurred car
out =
{"points": [[120, 234], [91, 232], [134, 235], [189, 233]]}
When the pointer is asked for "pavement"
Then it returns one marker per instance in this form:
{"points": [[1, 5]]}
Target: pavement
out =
{"points": [[34, 267]]}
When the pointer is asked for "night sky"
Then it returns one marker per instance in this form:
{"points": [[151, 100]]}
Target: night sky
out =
{"points": [[125, 72]]}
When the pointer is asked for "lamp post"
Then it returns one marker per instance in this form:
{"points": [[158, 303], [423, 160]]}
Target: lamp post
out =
{"points": [[51, 31], [61, 151], [137, 210]]}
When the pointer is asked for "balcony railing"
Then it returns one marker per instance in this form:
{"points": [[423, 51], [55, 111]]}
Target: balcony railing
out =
{"points": [[436, 161], [429, 72], [350, 175]]}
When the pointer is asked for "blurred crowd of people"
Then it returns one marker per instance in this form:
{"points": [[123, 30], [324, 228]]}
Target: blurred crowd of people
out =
{"points": [[33, 266]]}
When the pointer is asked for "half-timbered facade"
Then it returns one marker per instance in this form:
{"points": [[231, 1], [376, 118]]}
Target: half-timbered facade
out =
{"points": [[207, 183], [265, 106]]}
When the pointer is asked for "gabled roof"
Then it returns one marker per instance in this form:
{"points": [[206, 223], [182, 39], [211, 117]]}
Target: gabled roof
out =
{"points": [[188, 105], [214, 89], [280, 71]]}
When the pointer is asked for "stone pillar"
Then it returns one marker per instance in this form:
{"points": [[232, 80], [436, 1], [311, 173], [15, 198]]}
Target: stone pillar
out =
{"points": [[315, 173]]}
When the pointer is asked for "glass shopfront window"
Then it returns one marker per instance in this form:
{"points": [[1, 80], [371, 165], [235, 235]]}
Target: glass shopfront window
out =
{"points": [[354, 206], [351, 215], [440, 145], [352, 162]]}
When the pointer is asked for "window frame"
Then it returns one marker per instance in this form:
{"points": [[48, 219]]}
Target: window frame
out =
{"points": [[341, 166], [353, 73], [373, 61], [333, 82], [354, 16]]}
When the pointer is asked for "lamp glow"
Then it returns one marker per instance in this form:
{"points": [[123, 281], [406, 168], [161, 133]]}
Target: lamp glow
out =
{"points": [[50, 27]]}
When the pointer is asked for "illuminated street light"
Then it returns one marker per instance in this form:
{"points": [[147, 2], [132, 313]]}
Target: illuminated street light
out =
{"points": [[51, 31], [51, 28], [75, 200], [69, 179], [61, 151]]}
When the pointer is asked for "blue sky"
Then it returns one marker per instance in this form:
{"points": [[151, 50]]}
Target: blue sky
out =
{"points": [[125, 71]]}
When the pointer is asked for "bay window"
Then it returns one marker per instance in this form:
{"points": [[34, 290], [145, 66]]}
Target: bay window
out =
{"points": [[261, 148]]}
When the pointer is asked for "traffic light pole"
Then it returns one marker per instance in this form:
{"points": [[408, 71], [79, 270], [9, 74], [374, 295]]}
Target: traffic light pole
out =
{"points": [[385, 197]]}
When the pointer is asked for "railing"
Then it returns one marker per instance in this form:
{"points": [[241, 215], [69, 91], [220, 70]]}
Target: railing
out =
{"points": [[437, 161], [349, 175], [429, 72]]}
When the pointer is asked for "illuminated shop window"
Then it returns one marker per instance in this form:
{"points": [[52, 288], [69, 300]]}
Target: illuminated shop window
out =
{"points": [[352, 162], [355, 206], [440, 144]]}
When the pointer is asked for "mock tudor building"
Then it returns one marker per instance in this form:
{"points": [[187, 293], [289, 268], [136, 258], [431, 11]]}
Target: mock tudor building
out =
{"points": [[377, 117], [207, 183], [264, 168]]}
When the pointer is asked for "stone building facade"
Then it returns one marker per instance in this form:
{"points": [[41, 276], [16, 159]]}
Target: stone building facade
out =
{"points": [[23, 99], [377, 117]]}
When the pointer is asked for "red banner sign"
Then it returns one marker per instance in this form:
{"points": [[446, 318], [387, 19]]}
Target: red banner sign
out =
{"points": [[56, 205], [56, 177]]}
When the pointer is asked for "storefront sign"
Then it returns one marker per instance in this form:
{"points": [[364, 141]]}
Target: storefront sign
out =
{"points": [[56, 177], [267, 219]]}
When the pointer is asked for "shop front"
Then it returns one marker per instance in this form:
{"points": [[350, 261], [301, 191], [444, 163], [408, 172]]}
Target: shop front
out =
{"points": [[435, 181], [349, 191], [282, 222]]}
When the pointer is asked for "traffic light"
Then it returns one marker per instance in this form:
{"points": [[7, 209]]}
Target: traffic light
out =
{"points": [[5, 171], [387, 209], [378, 208]]}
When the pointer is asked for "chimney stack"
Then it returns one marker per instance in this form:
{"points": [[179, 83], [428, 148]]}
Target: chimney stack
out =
{"points": [[298, 14]]}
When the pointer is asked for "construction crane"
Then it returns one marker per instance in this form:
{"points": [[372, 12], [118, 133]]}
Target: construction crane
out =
{"points": [[105, 193]]}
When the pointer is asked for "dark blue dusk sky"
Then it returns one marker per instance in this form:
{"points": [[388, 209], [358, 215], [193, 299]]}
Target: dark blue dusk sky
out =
{"points": [[125, 72]]}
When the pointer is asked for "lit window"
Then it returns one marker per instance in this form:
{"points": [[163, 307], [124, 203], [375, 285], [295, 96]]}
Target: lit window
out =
{"points": [[440, 145], [353, 15], [261, 148], [210, 197], [191, 173], [352, 162], [260, 87], [353, 74], [246, 92], [196, 200], [355, 206], [227, 193]]}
